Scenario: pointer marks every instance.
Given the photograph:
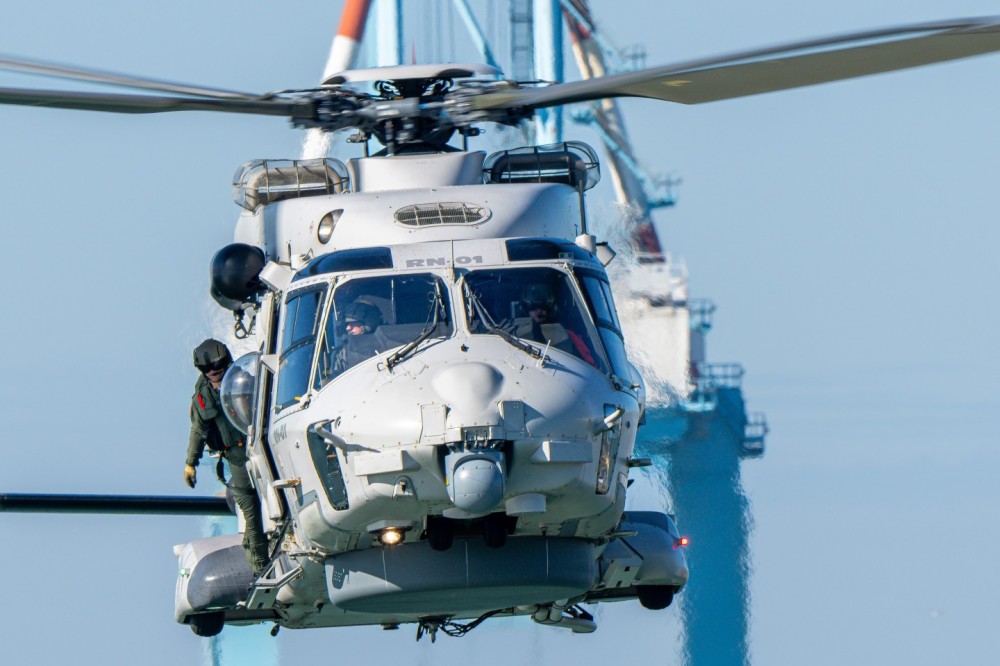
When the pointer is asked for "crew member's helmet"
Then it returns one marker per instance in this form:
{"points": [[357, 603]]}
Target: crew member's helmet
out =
{"points": [[538, 295], [212, 355], [365, 314]]}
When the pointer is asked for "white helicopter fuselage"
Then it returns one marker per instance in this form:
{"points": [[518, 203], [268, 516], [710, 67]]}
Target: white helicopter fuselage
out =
{"points": [[457, 413]]}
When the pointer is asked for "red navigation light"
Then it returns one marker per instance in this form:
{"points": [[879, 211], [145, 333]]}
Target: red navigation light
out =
{"points": [[681, 542]]}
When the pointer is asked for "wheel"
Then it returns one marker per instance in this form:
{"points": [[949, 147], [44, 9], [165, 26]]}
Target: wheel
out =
{"points": [[655, 597], [495, 530], [208, 624], [440, 532]]}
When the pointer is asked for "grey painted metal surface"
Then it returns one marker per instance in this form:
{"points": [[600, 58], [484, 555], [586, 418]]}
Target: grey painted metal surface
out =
{"points": [[469, 577]]}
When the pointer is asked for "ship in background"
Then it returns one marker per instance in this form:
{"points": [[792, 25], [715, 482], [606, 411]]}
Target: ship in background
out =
{"points": [[699, 431]]}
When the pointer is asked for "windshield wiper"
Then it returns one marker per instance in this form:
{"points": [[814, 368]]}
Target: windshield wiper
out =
{"points": [[437, 305], [492, 327], [530, 350]]}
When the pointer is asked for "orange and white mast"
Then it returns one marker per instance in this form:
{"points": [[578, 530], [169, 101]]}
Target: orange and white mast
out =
{"points": [[342, 54], [348, 39]]}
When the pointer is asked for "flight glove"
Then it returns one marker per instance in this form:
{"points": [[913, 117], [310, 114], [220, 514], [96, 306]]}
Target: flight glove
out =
{"points": [[190, 476]]}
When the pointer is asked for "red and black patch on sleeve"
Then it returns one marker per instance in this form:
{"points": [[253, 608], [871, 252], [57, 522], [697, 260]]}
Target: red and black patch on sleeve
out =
{"points": [[201, 402]]}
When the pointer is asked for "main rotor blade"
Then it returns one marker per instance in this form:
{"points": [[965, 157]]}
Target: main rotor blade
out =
{"points": [[144, 504], [116, 103], [56, 70], [771, 69]]}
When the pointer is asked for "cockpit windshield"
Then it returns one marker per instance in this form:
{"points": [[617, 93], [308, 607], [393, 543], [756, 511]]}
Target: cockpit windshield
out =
{"points": [[373, 315], [536, 305]]}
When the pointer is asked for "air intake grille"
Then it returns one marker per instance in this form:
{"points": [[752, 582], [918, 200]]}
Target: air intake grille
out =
{"points": [[422, 215]]}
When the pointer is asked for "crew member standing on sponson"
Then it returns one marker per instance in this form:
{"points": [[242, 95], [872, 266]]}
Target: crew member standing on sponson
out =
{"points": [[210, 427]]}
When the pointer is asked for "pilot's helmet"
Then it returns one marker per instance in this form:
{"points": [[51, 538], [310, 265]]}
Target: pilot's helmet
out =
{"points": [[212, 355], [538, 295], [363, 313]]}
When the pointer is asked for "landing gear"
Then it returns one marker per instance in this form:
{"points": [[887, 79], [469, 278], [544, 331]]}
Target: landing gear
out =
{"points": [[207, 624], [656, 597], [495, 530], [440, 532]]}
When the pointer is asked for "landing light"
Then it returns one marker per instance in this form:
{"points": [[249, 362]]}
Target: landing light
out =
{"points": [[390, 536], [325, 229]]}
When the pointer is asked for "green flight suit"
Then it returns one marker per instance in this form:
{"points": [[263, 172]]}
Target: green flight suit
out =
{"points": [[209, 426]]}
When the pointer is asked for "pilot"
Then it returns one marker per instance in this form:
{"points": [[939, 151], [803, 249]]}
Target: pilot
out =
{"points": [[211, 428], [361, 318], [540, 304]]}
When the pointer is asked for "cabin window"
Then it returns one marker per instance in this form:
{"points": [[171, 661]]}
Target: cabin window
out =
{"points": [[375, 315], [537, 305], [298, 341]]}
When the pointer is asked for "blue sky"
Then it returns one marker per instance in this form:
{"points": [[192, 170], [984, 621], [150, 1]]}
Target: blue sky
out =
{"points": [[846, 232]]}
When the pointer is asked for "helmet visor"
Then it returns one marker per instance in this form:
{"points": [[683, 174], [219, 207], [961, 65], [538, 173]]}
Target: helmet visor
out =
{"points": [[221, 364]]}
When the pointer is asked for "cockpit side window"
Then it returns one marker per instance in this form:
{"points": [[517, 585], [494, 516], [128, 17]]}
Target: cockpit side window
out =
{"points": [[374, 315], [537, 305], [298, 341], [597, 293]]}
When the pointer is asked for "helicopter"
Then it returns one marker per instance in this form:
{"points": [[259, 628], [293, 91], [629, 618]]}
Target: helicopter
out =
{"points": [[441, 300]]}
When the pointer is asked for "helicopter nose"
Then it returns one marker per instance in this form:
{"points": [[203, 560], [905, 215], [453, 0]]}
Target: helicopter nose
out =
{"points": [[468, 387]]}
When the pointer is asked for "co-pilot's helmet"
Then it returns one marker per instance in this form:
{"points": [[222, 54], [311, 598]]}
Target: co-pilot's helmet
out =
{"points": [[536, 296]]}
